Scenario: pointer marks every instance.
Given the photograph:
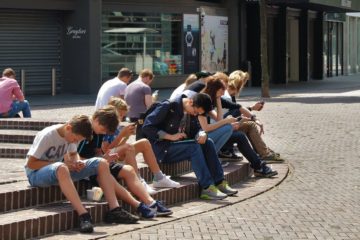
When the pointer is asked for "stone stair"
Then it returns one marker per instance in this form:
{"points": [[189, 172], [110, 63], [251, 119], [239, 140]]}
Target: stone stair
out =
{"points": [[30, 212]]}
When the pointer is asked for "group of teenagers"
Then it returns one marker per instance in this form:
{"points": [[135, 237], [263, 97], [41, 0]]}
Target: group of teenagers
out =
{"points": [[190, 125]]}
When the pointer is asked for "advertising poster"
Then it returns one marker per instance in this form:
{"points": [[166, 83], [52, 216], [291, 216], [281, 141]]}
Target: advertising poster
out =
{"points": [[214, 43], [191, 43]]}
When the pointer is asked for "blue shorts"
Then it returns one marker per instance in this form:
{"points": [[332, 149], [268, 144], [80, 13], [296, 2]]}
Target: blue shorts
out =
{"points": [[46, 176]]}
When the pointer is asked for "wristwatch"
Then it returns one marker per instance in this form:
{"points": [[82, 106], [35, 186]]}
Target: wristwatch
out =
{"points": [[189, 40]]}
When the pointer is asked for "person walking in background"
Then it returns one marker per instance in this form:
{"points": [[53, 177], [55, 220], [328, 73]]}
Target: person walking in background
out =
{"points": [[113, 88], [12, 99], [138, 94]]}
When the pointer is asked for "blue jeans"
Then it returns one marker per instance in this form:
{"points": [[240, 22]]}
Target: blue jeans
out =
{"points": [[220, 136], [17, 107], [47, 176], [245, 148], [203, 157]]}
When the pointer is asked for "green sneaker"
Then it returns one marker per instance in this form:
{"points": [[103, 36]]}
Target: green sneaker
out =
{"points": [[273, 158], [212, 193], [225, 188]]}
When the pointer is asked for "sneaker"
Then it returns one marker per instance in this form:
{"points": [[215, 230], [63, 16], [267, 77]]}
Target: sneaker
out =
{"points": [[149, 189], [85, 223], [230, 156], [224, 154], [273, 157], [265, 171], [212, 193], [165, 182], [119, 215], [160, 209], [146, 212], [225, 188]]}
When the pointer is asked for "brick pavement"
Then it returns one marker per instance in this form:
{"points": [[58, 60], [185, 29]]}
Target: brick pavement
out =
{"points": [[318, 132], [320, 136]]}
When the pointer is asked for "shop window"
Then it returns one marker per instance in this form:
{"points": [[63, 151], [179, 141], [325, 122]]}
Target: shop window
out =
{"points": [[141, 40]]}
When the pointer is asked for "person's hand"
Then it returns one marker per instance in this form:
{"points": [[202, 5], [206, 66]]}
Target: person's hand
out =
{"points": [[201, 139], [79, 165], [129, 130], [111, 155], [261, 126], [230, 119], [258, 106], [177, 136]]}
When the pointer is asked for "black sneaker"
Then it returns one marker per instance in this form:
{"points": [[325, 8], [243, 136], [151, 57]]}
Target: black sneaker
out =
{"points": [[224, 154], [230, 156], [119, 215], [145, 211], [161, 210], [265, 171], [85, 223]]}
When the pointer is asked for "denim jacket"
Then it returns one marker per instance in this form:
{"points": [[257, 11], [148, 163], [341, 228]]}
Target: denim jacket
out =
{"points": [[164, 119]]}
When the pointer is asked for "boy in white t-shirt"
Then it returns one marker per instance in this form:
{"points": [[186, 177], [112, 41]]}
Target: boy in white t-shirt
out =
{"points": [[53, 160]]}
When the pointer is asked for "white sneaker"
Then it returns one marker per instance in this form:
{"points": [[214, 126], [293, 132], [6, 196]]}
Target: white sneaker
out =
{"points": [[165, 182], [149, 189]]}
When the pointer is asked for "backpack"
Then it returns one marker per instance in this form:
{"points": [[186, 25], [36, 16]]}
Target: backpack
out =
{"points": [[140, 122]]}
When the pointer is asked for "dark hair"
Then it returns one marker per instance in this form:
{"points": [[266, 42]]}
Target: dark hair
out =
{"points": [[212, 86], [107, 117], [124, 72], [202, 100], [81, 125]]}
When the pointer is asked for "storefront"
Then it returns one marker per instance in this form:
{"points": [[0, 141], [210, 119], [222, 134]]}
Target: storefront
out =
{"points": [[305, 39], [351, 43], [82, 43]]}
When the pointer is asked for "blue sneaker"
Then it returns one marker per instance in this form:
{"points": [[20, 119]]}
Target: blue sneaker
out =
{"points": [[146, 212], [160, 209], [265, 171]]}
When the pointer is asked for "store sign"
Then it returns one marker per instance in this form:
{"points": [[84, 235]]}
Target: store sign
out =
{"points": [[75, 32], [335, 17], [191, 43]]}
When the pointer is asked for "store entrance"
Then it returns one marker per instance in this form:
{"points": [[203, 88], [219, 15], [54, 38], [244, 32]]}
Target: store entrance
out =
{"points": [[333, 48], [293, 50]]}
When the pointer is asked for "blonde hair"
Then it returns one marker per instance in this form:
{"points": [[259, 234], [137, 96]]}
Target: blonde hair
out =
{"points": [[222, 76], [190, 79], [118, 103], [237, 80]]}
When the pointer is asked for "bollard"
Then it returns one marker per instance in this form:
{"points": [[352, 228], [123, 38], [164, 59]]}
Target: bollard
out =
{"points": [[53, 81], [23, 81]]}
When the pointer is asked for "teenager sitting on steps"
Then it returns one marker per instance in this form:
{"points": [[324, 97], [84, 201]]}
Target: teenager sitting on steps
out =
{"points": [[105, 120], [117, 144], [162, 126], [45, 167]]}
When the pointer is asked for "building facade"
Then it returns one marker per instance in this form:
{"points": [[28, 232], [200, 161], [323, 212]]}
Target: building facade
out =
{"points": [[82, 43]]}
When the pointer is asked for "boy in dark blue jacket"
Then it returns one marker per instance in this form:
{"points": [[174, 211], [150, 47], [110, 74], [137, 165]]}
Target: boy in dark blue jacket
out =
{"points": [[174, 139]]}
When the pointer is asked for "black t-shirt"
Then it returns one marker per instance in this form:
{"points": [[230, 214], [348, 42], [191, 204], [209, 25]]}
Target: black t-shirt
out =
{"points": [[87, 149], [196, 86]]}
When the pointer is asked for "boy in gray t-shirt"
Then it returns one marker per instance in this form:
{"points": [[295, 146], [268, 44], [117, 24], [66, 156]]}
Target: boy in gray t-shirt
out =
{"points": [[44, 167]]}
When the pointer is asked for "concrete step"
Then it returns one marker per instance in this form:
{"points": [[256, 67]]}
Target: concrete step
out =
{"points": [[15, 192], [47, 219], [14, 150], [17, 136], [25, 123]]}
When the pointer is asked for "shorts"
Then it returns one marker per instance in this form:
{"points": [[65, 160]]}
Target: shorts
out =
{"points": [[115, 168], [46, 176]]}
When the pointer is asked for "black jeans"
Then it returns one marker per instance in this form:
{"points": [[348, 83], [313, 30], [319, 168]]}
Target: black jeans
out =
{"points": [[245, 148]]}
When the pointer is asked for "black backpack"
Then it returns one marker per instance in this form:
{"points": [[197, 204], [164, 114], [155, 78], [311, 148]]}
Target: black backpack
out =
{"points": [[140, 122]]}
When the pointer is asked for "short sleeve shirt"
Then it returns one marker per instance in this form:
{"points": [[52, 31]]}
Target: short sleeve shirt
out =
{"points": [[111, 88], [8, 88], [135, 97], [49, 145]]}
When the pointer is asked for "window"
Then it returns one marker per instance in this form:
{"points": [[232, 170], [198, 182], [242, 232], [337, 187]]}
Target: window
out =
{"points": [[141, 40]]}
